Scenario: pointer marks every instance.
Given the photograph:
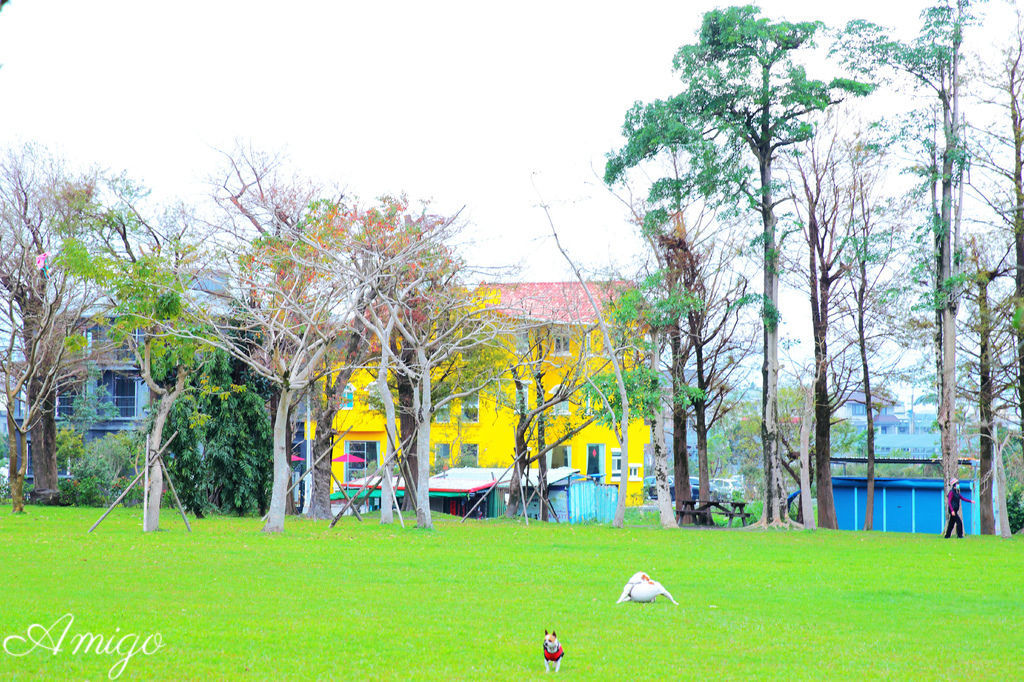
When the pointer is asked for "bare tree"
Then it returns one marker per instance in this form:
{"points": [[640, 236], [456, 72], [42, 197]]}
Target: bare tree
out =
{"points": [[42, 205], [268, 292], [872, 255], [418, 289], [620, 419], [543, 317]]}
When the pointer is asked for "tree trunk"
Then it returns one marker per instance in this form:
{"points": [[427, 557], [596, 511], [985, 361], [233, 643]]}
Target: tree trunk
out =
{"points": [[862, 343], [620, 509], [668, 519], [44, 448], [680, 452], [407, 431], [151, 521], [701, 424], [327, 405], [155, 493], [422, 406], [282, 470], [822, 437], [944, 274], [515, 498], [774, 500], [703, 474], [1017, 128], [1004, 518], [680, 458], [806, 508], [542, 460], [985, 397], [387, 493], [17, 464], [320, 503]]}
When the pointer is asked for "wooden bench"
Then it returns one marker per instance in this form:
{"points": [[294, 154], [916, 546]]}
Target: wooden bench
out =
{"points": [[705, 508]]}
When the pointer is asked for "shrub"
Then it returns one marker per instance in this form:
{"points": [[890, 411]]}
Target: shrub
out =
{"points": [[98, 475], [70, 448], [1015, 507]]}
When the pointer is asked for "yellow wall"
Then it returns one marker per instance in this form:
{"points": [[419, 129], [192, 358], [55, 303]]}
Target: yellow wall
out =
{"points": [[494, 431]]}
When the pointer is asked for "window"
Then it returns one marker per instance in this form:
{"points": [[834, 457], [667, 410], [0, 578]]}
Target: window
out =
{"points": [[66, 403], [634, 472], [469, 456], [561, 409], [595, 459], [559, 456], [903, 428], [121, 389], [348, 397], [442, 414], [857, 409], [361, 458], [471, 409], [616, 463], [560, 343], [442, 456]]}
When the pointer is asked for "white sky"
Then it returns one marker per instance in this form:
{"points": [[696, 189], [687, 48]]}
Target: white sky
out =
{"points": [[459, 103]]}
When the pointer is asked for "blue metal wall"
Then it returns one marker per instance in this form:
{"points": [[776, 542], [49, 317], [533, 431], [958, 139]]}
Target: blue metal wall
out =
{"points": [[590, 501], [906, 505]]}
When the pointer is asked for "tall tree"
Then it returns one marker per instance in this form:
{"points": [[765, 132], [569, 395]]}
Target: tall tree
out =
{"points": [[999, 151], [933, 61], [137, 259], [872, 259], [828, 214], [985, 370], [423, 315], [552, 377], [42, 205], [267, 291], [744, 89]]}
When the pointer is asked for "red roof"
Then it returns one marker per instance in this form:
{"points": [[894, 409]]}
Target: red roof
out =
{"points": [[563, 302]]}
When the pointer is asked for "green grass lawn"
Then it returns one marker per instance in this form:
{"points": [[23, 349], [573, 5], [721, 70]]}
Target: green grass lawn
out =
{"points": [[472, 601]]}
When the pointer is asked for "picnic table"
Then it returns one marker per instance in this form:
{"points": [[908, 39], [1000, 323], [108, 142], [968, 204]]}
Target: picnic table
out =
{"points": [[705, 508]]}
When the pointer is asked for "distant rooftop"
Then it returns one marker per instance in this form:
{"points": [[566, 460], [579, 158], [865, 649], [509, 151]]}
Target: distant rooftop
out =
{"points": [[561, 302]]}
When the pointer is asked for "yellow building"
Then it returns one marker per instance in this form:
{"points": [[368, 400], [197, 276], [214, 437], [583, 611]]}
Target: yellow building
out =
{"points": [[480, 431]]}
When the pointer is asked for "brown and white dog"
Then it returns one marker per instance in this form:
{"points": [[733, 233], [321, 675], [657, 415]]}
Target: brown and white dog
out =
{"points": [[644, 589], [552, 651]]}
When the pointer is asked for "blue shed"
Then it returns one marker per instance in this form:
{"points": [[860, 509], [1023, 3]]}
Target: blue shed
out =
{"points": [[905, 505]]}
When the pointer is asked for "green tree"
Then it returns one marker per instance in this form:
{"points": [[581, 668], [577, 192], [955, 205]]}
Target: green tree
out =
{"points": [[933, 62], [744, 90], [222, 456], [137, 260]]}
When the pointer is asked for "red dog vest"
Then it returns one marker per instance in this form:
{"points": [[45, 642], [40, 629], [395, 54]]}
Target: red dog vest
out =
{"points": [[548, 656]]}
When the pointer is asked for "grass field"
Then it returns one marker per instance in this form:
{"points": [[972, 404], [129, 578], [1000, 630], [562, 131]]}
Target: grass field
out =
{"points": [[472, 601]]}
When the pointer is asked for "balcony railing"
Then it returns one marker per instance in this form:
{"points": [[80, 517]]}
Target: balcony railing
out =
{"points": [[65, 405], [125, 405]]}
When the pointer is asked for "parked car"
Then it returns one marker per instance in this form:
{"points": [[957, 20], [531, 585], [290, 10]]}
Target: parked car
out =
{"points": [[721, 488], [651, 487]]}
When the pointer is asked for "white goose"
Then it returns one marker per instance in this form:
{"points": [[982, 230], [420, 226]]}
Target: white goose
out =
{"points": [[641, 588]]}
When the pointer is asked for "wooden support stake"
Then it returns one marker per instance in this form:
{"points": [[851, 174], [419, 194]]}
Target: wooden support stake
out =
{"points": [[386, 462], [341, 489], [131, 485], [174, 492], [489, 491]]}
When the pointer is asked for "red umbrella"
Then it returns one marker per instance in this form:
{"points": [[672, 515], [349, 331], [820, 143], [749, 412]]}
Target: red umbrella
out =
{"points": [[348, 458]]}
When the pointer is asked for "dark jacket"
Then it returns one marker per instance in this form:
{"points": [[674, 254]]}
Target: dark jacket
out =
{"points": [[953, 499]]}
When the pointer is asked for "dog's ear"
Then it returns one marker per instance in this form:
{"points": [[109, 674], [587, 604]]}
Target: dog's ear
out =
{"points": [[554, 634], [545, 632]]}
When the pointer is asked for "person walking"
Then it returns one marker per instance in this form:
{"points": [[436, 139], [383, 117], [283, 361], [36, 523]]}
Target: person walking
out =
{"points": [[953, 507]]}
